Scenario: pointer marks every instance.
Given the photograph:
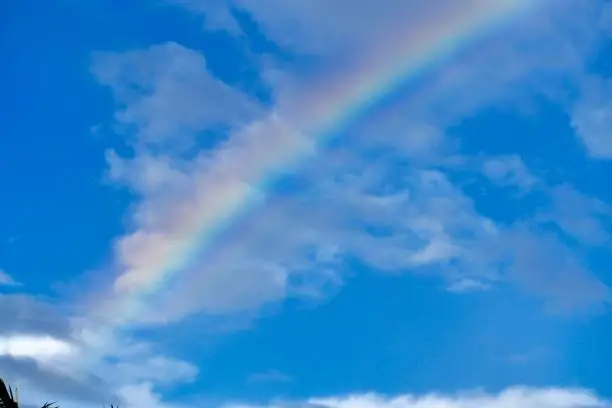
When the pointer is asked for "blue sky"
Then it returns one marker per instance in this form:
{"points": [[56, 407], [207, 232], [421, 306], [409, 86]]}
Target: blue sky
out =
{"points": [[449, 247]]}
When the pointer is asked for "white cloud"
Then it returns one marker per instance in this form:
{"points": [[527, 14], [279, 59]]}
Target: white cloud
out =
{"points": [[468, 285], [6, 279], [581, 217], [145, 174], [430, 224], [157, 369], [44, 352], [136, 395], [217, 13], [168, 95], [511, 398], [395, 221], [40, 348], [180, 197], [592, 117], [142, 395], [314, 28], [293, 24], [509, 171], [543, 264], [273, 376]]}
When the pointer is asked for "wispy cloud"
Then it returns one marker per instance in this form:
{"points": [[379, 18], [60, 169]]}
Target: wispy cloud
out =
{"points": [[509, 171], [439, 227], [592, 116], [467, 286], [270, 376], [7, 280], [199, 149]]}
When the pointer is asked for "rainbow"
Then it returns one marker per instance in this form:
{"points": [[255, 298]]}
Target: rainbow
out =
{"points": [[330, 108]]}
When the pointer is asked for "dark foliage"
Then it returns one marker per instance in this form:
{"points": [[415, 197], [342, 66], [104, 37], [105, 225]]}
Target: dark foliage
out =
{"points": [[9, 400]]}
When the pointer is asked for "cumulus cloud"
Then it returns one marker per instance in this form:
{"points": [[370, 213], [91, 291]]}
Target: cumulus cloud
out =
{"points": [[37, 350], [143, 395], [42, 348], [49, 382]]}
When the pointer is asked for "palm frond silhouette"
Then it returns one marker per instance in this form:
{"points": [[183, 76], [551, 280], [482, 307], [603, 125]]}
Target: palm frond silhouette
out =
{"points": [[8, 399]]}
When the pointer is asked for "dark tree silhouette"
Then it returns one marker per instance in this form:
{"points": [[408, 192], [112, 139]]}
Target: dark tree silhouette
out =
{"points": [[9, 400]]}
